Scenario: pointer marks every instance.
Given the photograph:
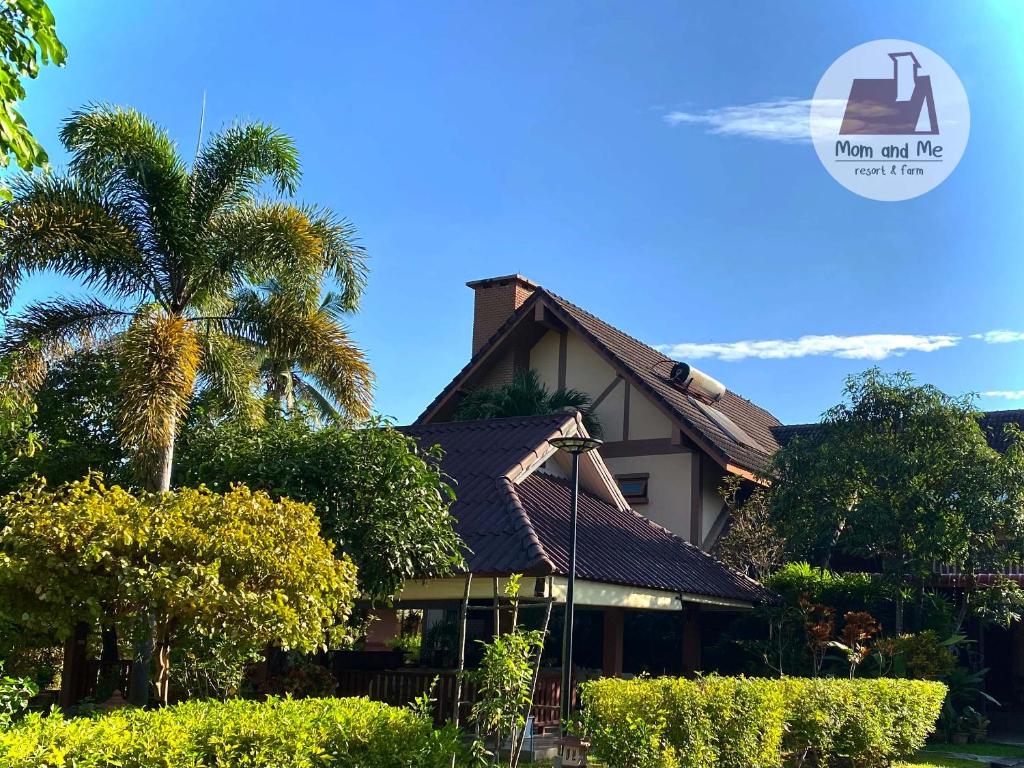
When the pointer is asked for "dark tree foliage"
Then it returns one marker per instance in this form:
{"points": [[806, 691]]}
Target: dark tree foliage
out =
{"points": [[382, 500], [526, 395]]}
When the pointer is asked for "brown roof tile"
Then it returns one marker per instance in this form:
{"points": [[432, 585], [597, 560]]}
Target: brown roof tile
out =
{"points": [[652, 368], [624, 547], [523, 528]]}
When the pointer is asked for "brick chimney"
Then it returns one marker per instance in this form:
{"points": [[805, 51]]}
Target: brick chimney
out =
{"points": [[496, 299]]}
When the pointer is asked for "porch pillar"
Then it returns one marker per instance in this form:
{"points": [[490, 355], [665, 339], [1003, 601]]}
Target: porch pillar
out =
{"points": [[611, 665], [691, 641]]}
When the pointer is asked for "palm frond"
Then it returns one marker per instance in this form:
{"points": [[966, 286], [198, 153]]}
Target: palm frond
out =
{"points": [[230, 372], [256, 243], [295, 336], [75, 229], [344, 258], [56, 326], [306, 392], [159, 358], [235, 161], [526, 395], [128, 155]]}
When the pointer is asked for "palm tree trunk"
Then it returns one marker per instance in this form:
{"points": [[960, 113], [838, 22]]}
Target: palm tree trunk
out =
{"points": [[158, 481]]}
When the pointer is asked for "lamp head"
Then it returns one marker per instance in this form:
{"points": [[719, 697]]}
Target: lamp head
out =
{"points": [[576, 444]]}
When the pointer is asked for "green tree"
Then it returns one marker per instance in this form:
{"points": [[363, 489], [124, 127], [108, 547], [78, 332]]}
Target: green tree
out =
{"points": [[236, 567], [379, 497], [901, 474], [180, 258], [28, 40], [74, 424], [526, 395], [751, 544]]}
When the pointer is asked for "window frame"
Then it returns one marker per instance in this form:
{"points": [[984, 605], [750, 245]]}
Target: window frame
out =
{"points": [[643, 498]]}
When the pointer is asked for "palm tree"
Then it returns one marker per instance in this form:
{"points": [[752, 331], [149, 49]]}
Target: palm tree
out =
{"points": [[526, 395], [197, 280], [294, 370]]}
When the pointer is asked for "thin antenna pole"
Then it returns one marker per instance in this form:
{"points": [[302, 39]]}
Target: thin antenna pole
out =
{"points": [[202, 122]]}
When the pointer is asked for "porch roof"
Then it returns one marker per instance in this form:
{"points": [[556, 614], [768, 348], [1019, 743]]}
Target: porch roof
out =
{"points": [[516, 522]]}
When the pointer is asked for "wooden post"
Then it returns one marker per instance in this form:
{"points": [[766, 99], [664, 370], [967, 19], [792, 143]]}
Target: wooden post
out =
{"points": [[72, 683], [462, 652], [611, 651]]}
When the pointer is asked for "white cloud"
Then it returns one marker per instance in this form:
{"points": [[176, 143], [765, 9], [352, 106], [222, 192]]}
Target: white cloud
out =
{"points": [[875, 346], [1005, 394], [787, 120], [999, 337]]}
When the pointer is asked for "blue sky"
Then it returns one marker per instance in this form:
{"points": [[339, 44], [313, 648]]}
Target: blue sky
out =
{"points": [[470, 139]]}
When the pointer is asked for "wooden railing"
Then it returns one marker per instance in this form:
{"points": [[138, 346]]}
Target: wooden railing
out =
{"points": [[402, 686], [1013, 570]]}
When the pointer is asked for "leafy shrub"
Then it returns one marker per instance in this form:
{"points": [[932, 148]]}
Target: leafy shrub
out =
{"points": [[311, 733], [922, 656], [14, 695], [719, 722]]}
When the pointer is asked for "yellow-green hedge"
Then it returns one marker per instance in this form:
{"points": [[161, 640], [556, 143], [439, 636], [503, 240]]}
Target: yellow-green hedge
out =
{"points": [[738, 722], [278, 733]]}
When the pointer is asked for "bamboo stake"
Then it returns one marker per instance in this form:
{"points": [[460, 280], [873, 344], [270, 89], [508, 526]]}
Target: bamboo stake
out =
{"points": [[497, 610], [517, 746], [462, 651]]}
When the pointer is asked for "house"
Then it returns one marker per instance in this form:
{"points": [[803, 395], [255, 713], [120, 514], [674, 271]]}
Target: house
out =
{"points": [[648, 595], [904, 105], [668, 440], [645, 599]]}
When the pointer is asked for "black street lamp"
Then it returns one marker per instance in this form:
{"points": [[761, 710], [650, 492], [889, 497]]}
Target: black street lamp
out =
{"points": [[575, 446]]}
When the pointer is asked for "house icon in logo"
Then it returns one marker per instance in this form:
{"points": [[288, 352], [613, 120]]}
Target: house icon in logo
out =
{"points": [[900, 106]]}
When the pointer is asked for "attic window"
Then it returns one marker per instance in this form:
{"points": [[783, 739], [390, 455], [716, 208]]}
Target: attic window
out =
{"points": [[727, 425], [633, 487]]}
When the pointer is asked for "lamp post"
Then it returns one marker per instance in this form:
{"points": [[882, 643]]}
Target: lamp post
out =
{"points": [[575, 446]]}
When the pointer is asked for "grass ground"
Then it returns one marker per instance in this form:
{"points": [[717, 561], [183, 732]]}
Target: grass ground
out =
{"points": [[987, 748], [934, 761], [927, 758]]}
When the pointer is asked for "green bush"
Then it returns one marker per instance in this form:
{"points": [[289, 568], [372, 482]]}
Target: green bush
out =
{"points": [[277, 733], [738, 722]]}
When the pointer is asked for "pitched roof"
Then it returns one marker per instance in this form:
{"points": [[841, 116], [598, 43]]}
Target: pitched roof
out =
{"points": [[522, 527], [624, 547], [651, 370], [992, 423], [648, 370]]}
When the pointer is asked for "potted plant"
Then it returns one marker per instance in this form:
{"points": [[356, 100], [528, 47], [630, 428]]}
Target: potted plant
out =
{"points": [[976, 724], [960, 732]]}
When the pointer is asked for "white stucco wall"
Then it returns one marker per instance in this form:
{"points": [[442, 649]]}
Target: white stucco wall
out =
{"points": [[668, 488]]}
